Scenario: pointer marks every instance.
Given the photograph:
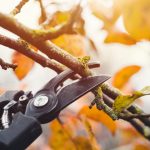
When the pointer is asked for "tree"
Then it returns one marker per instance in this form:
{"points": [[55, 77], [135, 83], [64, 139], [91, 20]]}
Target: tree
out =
{"points": [[61, 39]]}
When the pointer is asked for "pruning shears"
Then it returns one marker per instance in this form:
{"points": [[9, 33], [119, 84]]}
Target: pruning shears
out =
{"points": [[22, 113]]}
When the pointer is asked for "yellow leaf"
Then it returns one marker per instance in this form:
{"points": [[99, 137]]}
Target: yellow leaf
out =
{"points": [[119, 37], [145, 90], [24, 63], [57, 19], [107, 15], [123, 75], [122, 102], [136, 17], [74, 44], [100, 116]]}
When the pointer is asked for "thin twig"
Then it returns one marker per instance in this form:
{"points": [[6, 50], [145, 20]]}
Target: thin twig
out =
{"points": [[22, 47], [66, 28], [4, 65], [113, 93], [137, 123], [131, 116], [18, 8], [43, 16]]}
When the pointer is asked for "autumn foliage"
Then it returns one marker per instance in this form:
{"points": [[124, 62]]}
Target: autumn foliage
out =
{"points": [[62, 40]]}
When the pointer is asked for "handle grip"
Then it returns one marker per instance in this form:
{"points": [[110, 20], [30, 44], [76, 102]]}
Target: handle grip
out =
{"points": [[21, 133]]}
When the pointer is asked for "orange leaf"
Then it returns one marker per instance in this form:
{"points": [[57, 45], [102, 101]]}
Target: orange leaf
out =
{"points": [[60, 138], [92, 138], [119, 37], [63, 138], [142, 145], [82, 143], [100, 116], [2, 90], [24, 63], [123, 75], [74, 44]]}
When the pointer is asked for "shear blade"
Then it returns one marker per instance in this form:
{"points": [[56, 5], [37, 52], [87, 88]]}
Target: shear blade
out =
{"points": [[75, 90]]}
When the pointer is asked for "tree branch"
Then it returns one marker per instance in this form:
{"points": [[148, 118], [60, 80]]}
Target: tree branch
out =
{"points": [[17, 9], [43, 16], [52, 51], [113, 93], [5, 65], [139, 125], [47, 47], [22, 47], [132, 116], [61, 29]]}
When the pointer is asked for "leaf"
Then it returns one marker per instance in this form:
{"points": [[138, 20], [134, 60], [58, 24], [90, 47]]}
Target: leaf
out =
{"points": [[136, 14], [141, 145], [79, 26], [82, 143], [99, 116], [24, 63], [107, 15], [145, 90], [58, 18], [119, 37], [2, 90], [62, 138], [122, 102], [92, 138], [74, 44], [59, 139], [123, 75]]}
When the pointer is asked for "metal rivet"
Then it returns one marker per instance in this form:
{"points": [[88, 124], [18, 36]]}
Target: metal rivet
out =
{"points": [[23, 98], [40, 101]]}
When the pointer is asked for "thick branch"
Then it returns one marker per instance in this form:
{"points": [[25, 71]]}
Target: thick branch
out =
{"points": [[17, 9], [5, 65], [47, 47], [23, 48]]}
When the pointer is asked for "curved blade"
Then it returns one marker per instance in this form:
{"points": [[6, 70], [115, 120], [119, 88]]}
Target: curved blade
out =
{"points": [[75, 90], [60, 78]]}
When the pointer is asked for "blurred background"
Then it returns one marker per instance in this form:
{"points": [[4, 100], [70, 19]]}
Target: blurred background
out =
{"points": [[114, 52]]}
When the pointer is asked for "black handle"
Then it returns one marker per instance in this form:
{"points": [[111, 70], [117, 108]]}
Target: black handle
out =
{"points": [[21, 133]]}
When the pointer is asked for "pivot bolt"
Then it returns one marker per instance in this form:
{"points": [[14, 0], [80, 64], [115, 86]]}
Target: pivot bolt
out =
{"points": [[40, 101], [23, 98]]}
